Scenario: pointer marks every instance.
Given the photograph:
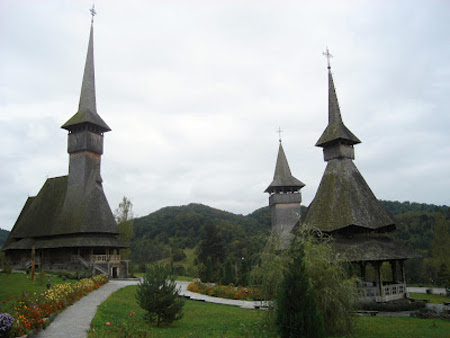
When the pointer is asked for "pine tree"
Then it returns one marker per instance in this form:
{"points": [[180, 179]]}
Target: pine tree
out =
{"points": [[228, 273], [296, 310], [158, 295]]}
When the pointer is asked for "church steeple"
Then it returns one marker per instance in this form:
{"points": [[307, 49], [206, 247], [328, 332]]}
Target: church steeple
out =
{"points": [[283, 181], [87, 109], [86, 128], [284, 201], [336, 140]]}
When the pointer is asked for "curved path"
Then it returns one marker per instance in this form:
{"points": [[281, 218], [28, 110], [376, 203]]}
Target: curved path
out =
{"points": [[74, 322]]}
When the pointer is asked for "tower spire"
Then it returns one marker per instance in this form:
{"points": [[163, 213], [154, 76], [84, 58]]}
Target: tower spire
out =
{"points": [[283, 181], [336, 131], [87, 96], [87, 108]]}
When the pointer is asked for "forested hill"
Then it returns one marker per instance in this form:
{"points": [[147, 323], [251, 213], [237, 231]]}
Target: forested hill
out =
{"points": [[171, 230], [397, 208], [168, 229], [3, 235]]}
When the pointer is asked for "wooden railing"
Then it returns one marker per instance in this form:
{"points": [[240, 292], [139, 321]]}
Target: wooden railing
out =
{"points": [[390, 292], [105, 258]]}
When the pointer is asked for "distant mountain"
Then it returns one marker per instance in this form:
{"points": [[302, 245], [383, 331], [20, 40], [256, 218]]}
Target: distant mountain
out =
{"points": [[3, 236]]}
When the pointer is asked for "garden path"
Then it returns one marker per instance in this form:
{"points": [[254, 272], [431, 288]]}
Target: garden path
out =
{"points": [[74, 321]]}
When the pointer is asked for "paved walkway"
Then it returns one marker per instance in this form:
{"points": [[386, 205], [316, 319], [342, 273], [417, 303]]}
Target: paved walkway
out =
{"points": [[75, 321]]}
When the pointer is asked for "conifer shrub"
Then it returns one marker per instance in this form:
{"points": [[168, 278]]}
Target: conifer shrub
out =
{"points": [[158, 295], [297, 314]]}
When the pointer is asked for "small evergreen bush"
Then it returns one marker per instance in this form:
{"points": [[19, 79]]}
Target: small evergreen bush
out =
{"points": [[297, 314], [158, 295]]}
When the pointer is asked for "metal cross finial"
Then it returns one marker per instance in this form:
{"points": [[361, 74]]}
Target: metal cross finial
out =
{"points": [[328, 55], [93, 12], [279, 134]]}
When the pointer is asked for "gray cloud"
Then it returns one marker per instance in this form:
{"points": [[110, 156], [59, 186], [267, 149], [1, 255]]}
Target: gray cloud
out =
{"points": [[195, 92]]}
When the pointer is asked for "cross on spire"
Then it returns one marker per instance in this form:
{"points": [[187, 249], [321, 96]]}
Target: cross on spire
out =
{"points": [[279, 131], [328, 55], [93, 12]]}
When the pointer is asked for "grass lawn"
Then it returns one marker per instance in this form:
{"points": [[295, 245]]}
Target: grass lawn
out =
{"points": [[401, 327], [213, 320], [200, 320], [12, 285], [432, 298]]}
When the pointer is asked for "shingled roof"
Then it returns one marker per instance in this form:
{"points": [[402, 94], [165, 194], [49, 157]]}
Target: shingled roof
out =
{"points": [[282, 177], [50, 213], [87, 109], [374, 248], [344, 199]]}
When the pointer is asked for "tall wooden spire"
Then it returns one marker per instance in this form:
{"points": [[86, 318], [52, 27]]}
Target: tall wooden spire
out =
{"points": [[87, 108], [336, 131]]}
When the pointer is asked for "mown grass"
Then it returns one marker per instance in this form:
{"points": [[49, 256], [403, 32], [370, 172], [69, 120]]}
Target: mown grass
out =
{"points": [[12, 285], [401, 327], [213, 320], [439, 299], [200, 320]]}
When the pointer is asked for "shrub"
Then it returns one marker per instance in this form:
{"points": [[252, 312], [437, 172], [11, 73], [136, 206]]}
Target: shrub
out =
{"points": [[157, 294], [335, 292], [297, 314]]}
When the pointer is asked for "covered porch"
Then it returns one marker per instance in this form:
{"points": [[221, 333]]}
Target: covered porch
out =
{"points": [[380, 286], [379, 262]]}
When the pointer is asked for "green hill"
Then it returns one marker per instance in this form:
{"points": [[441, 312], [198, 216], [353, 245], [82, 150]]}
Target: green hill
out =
{"points": [[174, 232], [160, 233]]}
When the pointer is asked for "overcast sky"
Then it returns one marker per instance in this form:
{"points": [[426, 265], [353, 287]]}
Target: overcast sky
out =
{"points": [[194, 92]]}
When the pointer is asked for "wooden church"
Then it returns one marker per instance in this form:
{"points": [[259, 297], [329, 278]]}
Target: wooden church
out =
{"points": [[69, 224], [345, 208]]}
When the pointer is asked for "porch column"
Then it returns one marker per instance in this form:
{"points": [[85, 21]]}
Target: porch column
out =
{"points": [[362, 266], [394, 271], [402, 267], [379, 278]]}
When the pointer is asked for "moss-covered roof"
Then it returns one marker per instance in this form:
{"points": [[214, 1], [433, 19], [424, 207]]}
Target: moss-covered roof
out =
{"points": [[282, 177], [334, 132], [344, 199], [59, 210], [371, 248]]}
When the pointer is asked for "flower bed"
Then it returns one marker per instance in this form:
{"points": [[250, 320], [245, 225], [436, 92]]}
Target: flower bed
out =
{"points": [[31, 311], [230, 292]]}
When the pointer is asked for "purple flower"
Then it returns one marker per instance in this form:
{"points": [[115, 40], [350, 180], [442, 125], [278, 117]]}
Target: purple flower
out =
{"points": [[6, 321]]}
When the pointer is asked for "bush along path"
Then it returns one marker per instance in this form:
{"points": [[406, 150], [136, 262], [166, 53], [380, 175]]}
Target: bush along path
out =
{"points": [[32, 311]]}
